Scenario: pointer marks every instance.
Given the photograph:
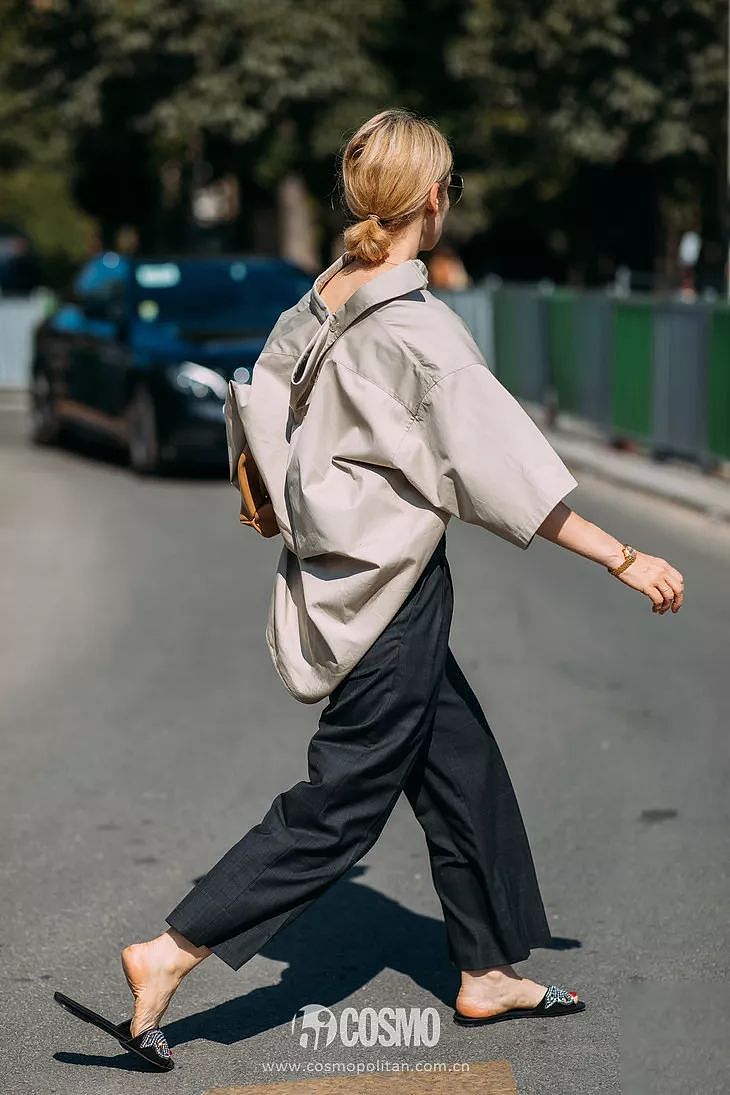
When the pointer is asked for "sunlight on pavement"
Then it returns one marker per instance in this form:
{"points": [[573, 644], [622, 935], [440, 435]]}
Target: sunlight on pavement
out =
{"points": [[482, 1077]]}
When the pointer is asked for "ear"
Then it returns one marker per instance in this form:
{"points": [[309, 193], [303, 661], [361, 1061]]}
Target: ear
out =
{"points": [[433, 201]]}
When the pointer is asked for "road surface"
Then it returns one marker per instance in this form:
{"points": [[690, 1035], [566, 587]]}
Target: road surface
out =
{"points": [[144, 730]]}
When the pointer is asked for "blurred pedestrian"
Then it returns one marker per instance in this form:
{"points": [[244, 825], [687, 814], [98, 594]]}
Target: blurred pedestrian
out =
{"points": [[373, 419], [446, 270]]}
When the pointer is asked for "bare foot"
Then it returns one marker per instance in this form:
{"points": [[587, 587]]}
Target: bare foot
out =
{"points": [[484, 993], [154, 971]]}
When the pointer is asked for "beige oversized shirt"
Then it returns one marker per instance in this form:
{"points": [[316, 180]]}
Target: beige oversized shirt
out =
{"points": [[372, 427]]}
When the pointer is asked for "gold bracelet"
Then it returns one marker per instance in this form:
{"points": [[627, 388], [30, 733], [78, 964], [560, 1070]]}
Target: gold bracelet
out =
{"points": [[629, 556]]}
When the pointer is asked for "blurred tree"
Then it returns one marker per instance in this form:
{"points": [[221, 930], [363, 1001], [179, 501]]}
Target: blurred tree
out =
{"points": [[595, 121], [35, 156], [271, 87], [589, 135]]}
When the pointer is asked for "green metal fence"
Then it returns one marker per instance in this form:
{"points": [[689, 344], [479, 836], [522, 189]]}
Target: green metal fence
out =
{"points": [[645, 369], [562, 308], [632, 369]]}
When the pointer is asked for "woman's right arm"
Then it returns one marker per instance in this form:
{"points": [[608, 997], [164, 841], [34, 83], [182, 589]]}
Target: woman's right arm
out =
{"points": [[662, 583], [474, 452]]}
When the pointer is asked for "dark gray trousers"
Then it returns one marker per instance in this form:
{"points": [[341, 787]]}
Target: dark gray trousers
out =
{"points": [[403, 720]]}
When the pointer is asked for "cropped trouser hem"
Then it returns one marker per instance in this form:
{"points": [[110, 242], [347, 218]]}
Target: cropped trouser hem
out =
{"points": [[489, 957], [404, 720], [235, 956]]}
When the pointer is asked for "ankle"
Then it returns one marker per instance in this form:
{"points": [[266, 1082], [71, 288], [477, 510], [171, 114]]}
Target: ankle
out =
{"points": [[182, 955], [489, 975], [170, 953]]}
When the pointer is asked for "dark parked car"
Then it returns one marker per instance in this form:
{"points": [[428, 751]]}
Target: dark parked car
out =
{"points": [[143, 351]]}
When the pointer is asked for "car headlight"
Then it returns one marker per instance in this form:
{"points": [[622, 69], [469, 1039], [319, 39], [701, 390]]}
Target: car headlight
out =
{"points": [[198, 381]]}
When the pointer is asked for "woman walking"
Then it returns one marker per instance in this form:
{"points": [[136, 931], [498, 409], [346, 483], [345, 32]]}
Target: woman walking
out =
{"points": [[373, 420]]}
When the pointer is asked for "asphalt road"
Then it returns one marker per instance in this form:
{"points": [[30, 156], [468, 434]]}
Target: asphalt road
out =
{"points": [[144, 730]]}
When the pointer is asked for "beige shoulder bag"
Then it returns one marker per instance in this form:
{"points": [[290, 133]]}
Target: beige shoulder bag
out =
{"points": [[256, 508]]}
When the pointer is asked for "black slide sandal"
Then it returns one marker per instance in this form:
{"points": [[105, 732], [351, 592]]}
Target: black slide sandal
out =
{"points": [[556, 1001], [151, 1045]]}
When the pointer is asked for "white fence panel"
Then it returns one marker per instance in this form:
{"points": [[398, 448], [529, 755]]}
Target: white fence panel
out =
{"points": [[18, 320]]}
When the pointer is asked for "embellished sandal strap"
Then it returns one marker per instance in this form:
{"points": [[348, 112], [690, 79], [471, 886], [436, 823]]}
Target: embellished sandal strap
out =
{"points": [[153, 1039], [556, 995]]}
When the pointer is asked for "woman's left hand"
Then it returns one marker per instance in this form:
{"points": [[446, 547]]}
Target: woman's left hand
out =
{"points": [[662, 583]]}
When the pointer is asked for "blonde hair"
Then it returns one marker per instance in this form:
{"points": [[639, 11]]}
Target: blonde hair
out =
{"points": [[388, 167]]}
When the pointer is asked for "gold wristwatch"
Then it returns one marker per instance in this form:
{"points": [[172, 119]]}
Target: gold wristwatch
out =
{"points": [[629, 556]]}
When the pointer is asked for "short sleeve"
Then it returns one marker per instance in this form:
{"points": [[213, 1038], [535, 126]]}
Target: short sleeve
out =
{"points": [[475, 453]]}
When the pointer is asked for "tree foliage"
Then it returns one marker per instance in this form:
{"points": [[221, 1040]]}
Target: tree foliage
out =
{"points": [[569, 97], [596, 128]]}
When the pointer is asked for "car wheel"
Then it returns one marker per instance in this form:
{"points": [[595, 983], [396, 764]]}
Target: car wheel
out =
{"points": [[45, 427], [142, 435]]}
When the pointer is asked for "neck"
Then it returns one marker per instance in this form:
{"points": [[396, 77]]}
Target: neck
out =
{"points": [[406, 245], [403, 247]]}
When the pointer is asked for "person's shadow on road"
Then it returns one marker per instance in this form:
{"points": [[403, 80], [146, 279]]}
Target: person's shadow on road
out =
{"points": [[340, 943], [337, 945]]}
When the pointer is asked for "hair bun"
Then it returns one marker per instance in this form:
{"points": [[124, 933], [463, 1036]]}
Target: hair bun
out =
{"points": [[368, 240]]}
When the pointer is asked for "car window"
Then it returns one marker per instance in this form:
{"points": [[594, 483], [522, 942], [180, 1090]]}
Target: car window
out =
{"points": [[103, 277], [68, 320], [245, 295]]}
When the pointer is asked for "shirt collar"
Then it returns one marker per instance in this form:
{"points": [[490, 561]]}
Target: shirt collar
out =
{"points": [[394, 282]]}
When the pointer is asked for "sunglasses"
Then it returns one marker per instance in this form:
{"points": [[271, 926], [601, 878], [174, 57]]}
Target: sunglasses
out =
{"points": [[455, 188]]}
